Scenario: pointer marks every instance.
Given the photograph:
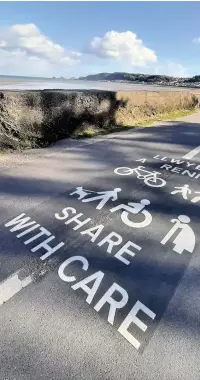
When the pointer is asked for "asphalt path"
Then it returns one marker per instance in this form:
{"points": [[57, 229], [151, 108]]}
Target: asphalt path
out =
{"points": [[108, 290]]}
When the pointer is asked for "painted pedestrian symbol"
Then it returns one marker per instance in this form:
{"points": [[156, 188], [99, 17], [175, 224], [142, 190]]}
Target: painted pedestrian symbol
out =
{"points": [[184, 190], [185, 240], [134, 208], [81, 192], [104, 196]]}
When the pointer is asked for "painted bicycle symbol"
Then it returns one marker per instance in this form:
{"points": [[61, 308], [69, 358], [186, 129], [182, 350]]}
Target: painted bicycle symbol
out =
{"points": [[150, 178]]}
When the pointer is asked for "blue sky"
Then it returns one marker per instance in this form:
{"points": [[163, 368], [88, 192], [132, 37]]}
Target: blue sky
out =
{"points": [[58, 38]]}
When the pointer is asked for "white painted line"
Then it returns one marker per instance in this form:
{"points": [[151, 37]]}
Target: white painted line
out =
{"points": [[12, 285], [192, 153]]}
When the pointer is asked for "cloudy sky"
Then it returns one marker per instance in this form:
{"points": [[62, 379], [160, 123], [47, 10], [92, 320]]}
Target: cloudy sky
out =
{"points": [[80, 38]]}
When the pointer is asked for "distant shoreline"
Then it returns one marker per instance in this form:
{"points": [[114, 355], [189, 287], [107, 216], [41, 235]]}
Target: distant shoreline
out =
{"points": [[146, 79], [13, 83], [120, 79]]}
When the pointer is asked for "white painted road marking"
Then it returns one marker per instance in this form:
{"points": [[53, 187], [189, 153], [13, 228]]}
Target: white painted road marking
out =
{"points": [[185, 240], [12, 285], [192, 153]]}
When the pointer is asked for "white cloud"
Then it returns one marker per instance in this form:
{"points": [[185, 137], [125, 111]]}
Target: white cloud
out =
{"points": [[24, 50], [23, 44], [18, 63], [172, 69], [196, 40], [123, 46]]}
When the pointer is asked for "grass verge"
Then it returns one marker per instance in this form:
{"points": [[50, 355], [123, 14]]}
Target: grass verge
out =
{"points": [[168, 116]]}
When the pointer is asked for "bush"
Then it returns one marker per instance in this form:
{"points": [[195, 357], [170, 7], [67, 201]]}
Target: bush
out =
{"points": [[38, 118]]}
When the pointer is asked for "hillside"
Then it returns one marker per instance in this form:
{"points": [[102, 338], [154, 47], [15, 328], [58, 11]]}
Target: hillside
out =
{"points": [[145, 79]]}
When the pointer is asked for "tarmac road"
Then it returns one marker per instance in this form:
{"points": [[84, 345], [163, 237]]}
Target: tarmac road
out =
{"points": [[96, 288]]}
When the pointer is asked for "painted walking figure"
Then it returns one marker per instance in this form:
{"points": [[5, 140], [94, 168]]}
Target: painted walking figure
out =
{"points": [[104, 196], [184, 190], [185, 240], [81, 192]]}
